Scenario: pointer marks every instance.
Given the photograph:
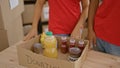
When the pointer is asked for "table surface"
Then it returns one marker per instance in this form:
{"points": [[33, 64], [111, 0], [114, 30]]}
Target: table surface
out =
{"points": [[9, 59]]}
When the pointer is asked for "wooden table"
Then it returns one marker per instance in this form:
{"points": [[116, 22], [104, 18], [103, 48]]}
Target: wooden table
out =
{"points": [[8, 59]]}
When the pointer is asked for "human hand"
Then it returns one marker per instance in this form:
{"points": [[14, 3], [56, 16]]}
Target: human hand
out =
{"points": [[92, 38], [31, 34], [77, 32]]}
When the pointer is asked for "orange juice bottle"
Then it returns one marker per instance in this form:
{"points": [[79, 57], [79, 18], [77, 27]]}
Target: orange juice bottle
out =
{"points": [[50, 45]]}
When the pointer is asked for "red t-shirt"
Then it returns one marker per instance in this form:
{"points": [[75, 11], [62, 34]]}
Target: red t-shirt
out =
{"points": [[63, 15], [107, 21]]}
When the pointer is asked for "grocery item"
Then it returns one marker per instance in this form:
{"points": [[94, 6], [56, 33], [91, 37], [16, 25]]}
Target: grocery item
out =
{"points": [[75, 53], [72, 42], [63, 46], [81, 45], [37, 48], [43, 35], [50, 45]]}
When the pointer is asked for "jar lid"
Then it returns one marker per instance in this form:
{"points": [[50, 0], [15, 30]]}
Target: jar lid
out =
{"points": [[81, 42], [63, 37], [72, 40], [74, 50]]}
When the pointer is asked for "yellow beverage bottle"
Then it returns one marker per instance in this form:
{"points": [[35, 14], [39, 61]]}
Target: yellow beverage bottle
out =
{"points": [[43, 35], [50, 46]]}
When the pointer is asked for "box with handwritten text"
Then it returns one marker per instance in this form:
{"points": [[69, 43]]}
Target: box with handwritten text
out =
{"points": [[32, 60]]}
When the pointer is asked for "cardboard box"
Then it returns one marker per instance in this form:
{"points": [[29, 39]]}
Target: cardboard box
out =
{"points": [[32, 60], [3, 40], [28, 13], [15, 31], [9, 10], [1, 21], [10, 19]]}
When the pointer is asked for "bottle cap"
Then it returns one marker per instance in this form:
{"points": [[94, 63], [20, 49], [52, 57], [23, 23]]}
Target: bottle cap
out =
{"points": [[49, 33]]}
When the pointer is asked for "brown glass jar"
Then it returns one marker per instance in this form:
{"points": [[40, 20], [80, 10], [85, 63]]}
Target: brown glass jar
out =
{"points": [[71, 43], [63, 46], [81, 45]]}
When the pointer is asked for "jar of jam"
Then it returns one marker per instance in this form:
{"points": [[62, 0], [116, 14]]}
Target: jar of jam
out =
{"points": [[71, 42], [81, 45], [37, 48], [63, 46], [75, 53], [64, 40]]}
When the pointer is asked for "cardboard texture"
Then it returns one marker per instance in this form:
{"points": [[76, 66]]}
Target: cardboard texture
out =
{"points": [[15, 31], [32, 60], [3, 40], [28, 13], [8, 14], [1, 20], [10, 19]]}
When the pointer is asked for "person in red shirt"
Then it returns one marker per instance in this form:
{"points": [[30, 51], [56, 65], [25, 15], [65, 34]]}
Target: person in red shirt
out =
{"points": [[104, 25], [65, 17]]}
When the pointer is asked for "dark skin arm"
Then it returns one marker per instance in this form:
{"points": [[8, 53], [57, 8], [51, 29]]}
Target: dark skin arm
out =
{"points": [[92, 11], [76, 32]]}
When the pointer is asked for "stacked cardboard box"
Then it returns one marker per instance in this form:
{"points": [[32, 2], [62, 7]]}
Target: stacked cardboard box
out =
{"points": [[28, 15], [11, 30], [28, 11]]}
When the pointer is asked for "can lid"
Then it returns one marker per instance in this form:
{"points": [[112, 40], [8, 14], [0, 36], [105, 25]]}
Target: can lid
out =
{"points": [[49, 33]]}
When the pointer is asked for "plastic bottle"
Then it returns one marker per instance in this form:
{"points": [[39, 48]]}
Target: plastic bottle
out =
{"points": [[50, 46], [42, 38]]}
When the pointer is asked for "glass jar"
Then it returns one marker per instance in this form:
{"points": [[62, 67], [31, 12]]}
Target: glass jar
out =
{"points": [[37, 48], [81, 45], [71, 42], [75, 53], [63, 46]]}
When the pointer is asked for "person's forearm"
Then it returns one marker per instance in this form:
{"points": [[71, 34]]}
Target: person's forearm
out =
{"points": [[37, 12], [84, 14], [92, 11]]}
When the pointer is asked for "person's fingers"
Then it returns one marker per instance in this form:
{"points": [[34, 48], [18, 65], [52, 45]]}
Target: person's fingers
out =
{"points": [[94, 41], [91, 44], [26, 37], [29, 36]]}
